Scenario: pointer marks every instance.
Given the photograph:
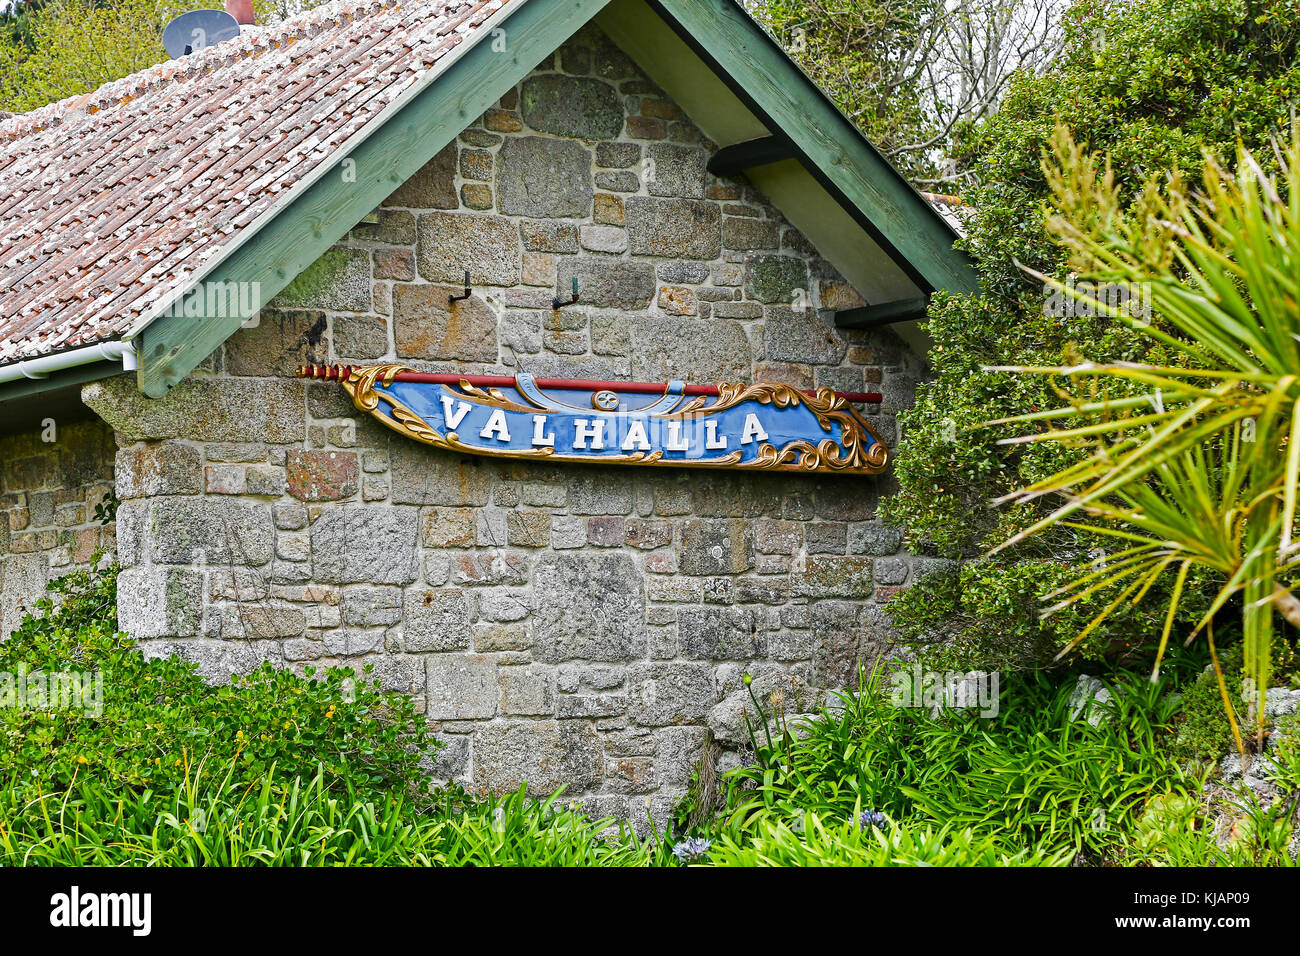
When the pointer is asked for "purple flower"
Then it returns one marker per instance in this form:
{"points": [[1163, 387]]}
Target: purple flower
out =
{"points": [[872, 818], [688, 851]]}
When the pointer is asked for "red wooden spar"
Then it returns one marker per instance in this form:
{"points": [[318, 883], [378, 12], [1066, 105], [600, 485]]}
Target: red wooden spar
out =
{"points": [[334, 373]]}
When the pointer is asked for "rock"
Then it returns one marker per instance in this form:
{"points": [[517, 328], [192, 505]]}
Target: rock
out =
{"points": [[217, 661], [433, 186], [825, 576], [164, 468], [744, 234], [339, 281], [846, 636], [665, 348], [716, 547], [545, 754], [604, 283], [461, 687], [677, 171], [671, 693], [451, 242], [279, 344], [1088, 700], [368, 544], [202, 409], [544, 178], [157, 602], [322, 475], [217, 530], [674, 228], [577, 107], [874, 539], [427, 326], [428, 476], [617, 155], [775, 279], [722, 633], [799, 335], [369, 606], [528, 690], [588, 607]]}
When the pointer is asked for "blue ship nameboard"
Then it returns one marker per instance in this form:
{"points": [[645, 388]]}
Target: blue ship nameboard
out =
{"points": [[761, 426]]}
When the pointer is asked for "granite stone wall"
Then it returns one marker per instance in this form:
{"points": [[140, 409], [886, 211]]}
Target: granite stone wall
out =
{"points": [[560, 625], [51, 479]]}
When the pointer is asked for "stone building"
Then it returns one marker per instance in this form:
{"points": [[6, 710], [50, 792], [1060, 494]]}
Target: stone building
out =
{"points": [[561, 624]]}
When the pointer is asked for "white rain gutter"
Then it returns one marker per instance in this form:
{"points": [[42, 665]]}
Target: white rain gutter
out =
{"points": [[45, 366]]}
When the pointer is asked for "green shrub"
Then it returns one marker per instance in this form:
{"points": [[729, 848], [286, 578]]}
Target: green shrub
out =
{"points": [[1202, 730], [810, 841], [160, 724], [1151, 83], [1030, 778], [274, 822], [270, 769]]}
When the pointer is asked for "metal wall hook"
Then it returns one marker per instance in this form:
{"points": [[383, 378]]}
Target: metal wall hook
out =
{"points": [[453, 299], [557, 303]]}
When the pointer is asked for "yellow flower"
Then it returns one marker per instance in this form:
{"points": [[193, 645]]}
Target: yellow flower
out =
{"points": [[239, 735], [286, 725], [82, 760]]}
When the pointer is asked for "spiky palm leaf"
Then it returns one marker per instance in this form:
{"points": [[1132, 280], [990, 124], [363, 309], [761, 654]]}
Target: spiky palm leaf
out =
{"points": [[1193, 464]]}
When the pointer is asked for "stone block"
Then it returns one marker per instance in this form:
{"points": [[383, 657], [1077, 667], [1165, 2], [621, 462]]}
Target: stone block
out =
{"points": [[435, 619], [428, 476], [671, 693], [722, 633], [545, 754], [322, 475], [589, 608], [448, 241], [674, 228], [366, 544], [576, 107], [716, 547], [427, 325], [460, 687], [544, 178], [156, 602]]}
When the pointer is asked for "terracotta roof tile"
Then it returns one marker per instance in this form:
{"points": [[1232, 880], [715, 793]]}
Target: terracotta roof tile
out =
{"points": [[100, 194]]}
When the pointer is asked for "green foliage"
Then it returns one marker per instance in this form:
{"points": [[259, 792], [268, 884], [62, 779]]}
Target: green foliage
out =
{"points": [[851, 49], [1030, 778], [160, 724], [1197, 466], [1151, 83], [988, 616], [270, 822], [60, 48], [270, 769], [1202, 729], [810, 841], [1029, 786]]}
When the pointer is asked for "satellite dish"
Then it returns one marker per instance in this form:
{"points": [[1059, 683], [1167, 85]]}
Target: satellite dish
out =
{"points": [[198, 30]]}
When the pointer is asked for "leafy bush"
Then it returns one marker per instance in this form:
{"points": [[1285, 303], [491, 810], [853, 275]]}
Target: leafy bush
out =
{"points": [[274, 822], [809, 841], [271, 769], [1031, 779], [1151, 83], [161, 724]]}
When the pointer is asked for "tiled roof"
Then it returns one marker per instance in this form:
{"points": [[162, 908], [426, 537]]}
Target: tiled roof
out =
{"points": [[109, 200]]}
